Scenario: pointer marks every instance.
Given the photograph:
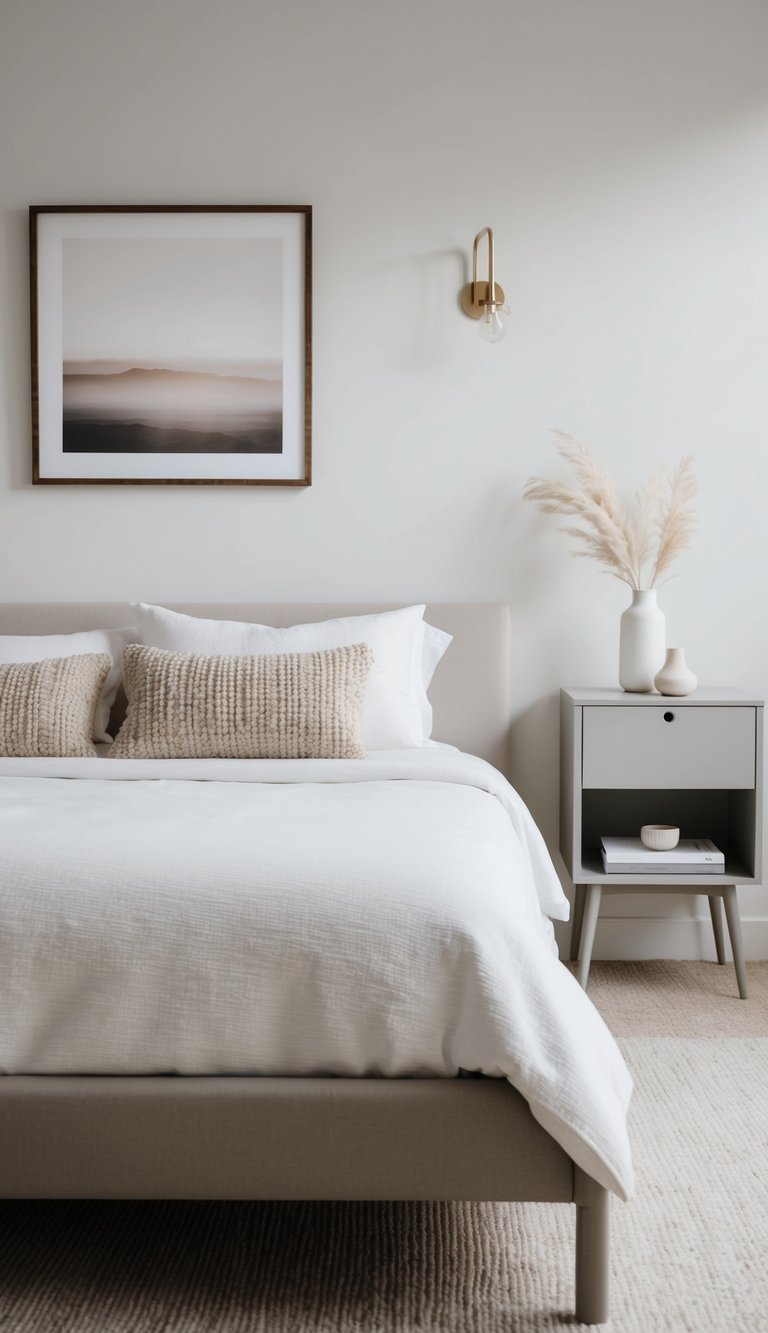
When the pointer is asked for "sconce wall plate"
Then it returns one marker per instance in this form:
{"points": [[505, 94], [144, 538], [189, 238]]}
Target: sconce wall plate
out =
{"points": [[474, 298]]}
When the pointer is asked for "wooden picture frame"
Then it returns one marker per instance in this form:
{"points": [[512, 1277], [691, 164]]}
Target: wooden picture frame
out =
{"points": [[171, 345]]}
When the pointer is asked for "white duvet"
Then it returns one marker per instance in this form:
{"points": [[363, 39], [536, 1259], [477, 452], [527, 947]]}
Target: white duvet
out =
{"points": [[385, 916]]}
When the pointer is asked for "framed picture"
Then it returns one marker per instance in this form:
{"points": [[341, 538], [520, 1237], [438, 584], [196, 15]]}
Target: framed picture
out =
{"points": [[171, 345]]}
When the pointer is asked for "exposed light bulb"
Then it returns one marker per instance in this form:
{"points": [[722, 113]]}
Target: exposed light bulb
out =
{"points": [[491, 325]]}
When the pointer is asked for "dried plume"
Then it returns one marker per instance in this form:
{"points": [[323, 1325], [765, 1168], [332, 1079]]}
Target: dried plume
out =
{"points": [[676, 517], [625, 544]]}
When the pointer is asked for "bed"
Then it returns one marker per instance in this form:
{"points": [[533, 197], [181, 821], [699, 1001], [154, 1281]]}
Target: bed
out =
{"points": [[354, 1128]]}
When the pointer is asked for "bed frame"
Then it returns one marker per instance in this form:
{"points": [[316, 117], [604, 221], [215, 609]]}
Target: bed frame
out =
{"points": [[307, 1138]]}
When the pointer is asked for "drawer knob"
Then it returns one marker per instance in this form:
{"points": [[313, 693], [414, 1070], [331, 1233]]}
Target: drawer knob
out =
{"points": [[669, 717]]}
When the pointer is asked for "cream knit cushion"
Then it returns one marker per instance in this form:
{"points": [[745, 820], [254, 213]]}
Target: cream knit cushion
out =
{"points": [[39, 647], [47, 708], [291, 706]]}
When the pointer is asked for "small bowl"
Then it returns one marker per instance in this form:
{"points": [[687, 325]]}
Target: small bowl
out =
{"points": [[659, 837]]}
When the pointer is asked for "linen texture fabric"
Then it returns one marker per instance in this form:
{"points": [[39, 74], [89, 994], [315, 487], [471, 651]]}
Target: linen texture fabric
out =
{"points": [[286, 706], [380, 917], [47, 708]]}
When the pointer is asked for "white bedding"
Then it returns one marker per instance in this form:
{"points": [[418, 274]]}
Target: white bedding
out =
{"points": [[385, 916]]}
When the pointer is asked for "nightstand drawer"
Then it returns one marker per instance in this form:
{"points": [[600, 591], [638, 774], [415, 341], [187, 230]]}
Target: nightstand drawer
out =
{"points": [[634, 746]]}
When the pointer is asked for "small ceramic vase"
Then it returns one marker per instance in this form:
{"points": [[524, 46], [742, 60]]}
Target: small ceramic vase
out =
{"points": [[675, 677], [641, 642]]}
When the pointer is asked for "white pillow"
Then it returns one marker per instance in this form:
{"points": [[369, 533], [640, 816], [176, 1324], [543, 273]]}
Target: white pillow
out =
{"points": [[38, 647], [435, 642], [396, 705]]}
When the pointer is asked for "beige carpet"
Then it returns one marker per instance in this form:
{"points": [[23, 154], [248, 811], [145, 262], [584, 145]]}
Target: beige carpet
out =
{"points": [[689, 1252], [663, 999]]}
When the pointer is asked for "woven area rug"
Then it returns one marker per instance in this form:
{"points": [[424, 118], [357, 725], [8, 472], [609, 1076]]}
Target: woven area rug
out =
{"points": [[689, 1252]]}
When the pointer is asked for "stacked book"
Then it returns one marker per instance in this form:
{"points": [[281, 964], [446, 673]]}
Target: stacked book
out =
{"points": [[691, 856]]}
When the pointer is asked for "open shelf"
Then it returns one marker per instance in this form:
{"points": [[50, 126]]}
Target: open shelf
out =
{"points": [[725, 816]]}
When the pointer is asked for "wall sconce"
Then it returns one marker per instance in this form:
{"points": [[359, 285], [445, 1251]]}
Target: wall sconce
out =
{"points": [[484, 300]]}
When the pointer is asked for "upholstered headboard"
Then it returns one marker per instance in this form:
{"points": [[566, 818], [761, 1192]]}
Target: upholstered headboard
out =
{"points": [[470, 693]]}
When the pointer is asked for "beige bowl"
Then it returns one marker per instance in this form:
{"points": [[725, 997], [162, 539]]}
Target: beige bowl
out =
{"points": [[659, 837]]}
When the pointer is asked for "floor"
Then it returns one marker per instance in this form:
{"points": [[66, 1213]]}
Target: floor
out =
{"points": [[679, 999]]}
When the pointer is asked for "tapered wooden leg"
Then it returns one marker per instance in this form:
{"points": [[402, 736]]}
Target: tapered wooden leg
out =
{"points": [[715, 912], [734, 930], [593, 1218], [580, 893], [591, 911]]}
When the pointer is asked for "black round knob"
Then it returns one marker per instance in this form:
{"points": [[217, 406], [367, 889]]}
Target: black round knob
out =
{"points": [[669, 717]]}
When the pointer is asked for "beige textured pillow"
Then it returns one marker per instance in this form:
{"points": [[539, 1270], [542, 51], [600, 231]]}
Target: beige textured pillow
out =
{"points": [[47, 708], [290, 706]]}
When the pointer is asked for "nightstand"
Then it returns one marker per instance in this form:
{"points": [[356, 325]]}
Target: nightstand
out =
{"points": [[633, 759]]}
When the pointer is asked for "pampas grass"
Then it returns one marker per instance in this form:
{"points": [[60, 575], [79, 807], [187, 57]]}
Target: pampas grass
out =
{"points": [[635, 545]]}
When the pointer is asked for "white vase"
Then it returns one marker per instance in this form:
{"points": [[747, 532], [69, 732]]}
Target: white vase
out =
{"points": [[675, 677], [642, 642]]}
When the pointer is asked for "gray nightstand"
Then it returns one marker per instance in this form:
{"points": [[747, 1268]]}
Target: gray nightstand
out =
{"points": [[633, 759]]}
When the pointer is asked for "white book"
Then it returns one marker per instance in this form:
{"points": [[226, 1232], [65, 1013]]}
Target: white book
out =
{"points": [[696, 855]]}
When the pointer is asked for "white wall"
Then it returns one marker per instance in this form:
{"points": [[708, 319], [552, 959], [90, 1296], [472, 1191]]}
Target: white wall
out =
{"points": [[618, 149]]}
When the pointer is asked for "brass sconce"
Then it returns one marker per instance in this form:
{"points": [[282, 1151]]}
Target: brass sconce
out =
{"points": [[484, 300]]}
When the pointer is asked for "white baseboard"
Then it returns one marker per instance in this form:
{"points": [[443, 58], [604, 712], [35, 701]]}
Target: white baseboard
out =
{"points": [[634, 937]]}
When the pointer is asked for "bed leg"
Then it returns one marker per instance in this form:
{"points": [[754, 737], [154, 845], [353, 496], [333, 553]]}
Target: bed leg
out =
{"points": [[592, 1248]]}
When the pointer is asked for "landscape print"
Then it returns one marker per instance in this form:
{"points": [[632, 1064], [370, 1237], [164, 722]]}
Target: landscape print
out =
{"points": [[146, 408], [172, 346]]}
